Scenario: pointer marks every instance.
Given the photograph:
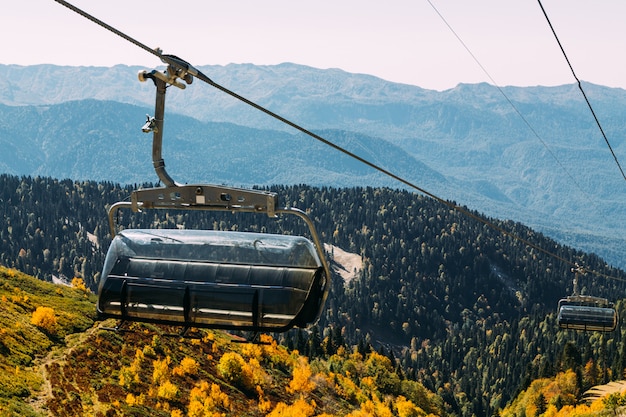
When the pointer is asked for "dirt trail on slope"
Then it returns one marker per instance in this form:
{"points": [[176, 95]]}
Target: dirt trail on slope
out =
{"points": [[57, 355]]}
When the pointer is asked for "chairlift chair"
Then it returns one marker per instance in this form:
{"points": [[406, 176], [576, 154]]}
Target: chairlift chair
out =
{"points": [[206, 278], [585, 312]]}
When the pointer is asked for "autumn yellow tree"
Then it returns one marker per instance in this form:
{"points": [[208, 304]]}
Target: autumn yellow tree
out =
{"points": [[406, 408], [301, 382], [346, 388], [135, 366], [235, 370], [381, 369], [129, 375], [591, 373], [563, 390], [372, 409], [300, 408]]}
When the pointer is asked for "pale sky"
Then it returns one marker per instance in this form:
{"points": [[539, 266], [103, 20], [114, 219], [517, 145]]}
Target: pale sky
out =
{"points": [[398, 40]]}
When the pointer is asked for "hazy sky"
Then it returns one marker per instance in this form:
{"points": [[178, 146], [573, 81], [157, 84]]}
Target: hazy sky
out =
{"points": [[398, 40]]}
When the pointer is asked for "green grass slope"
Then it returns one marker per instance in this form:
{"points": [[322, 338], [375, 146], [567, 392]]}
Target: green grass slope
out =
{"points": [[56, 360], [25, 341]]}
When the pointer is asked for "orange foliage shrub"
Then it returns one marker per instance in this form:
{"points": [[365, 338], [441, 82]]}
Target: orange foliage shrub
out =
{"points": [[44, 318], [300, 408], [135, 367], [252, 350], [161, 369], [167, 390], [207, 400], [78, 283], [130, 399], [188, 366]]}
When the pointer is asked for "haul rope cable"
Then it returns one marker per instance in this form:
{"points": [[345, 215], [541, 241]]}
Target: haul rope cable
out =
{"points": [[580, 87], [183, 65]]}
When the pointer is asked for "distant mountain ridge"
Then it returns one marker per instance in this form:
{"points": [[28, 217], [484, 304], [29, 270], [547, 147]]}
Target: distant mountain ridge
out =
{"points": [[533, 154], [102, 141]]}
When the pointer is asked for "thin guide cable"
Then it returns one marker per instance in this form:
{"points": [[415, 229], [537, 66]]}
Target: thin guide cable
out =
{"points": [[519, 113]]}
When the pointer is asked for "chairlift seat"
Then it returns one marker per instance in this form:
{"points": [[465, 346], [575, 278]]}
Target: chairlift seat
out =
{"points": [[587, 313], [212, 279]]}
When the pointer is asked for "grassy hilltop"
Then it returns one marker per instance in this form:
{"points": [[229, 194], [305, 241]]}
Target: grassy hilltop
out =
{"points": [[56, 360]]}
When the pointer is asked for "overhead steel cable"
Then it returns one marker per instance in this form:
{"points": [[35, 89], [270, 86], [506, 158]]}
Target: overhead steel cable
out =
{"points": [[519, 113], [178, 63], [580, 87], [573, 180]]}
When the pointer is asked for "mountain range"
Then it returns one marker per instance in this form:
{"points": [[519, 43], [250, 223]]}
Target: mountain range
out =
{"points": [[534, 155]]}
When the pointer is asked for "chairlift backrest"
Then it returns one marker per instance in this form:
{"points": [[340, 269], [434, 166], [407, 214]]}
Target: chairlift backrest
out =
{"points": [[212, 279]]}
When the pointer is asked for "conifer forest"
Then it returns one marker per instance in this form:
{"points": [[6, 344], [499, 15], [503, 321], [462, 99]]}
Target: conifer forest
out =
{"points": [[461, 307]]}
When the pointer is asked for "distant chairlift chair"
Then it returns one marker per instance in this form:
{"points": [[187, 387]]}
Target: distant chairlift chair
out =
{"points": [[584, 312]]}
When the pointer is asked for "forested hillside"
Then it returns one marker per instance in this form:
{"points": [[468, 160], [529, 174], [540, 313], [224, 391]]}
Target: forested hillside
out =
{"points": [[457, 305]]}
